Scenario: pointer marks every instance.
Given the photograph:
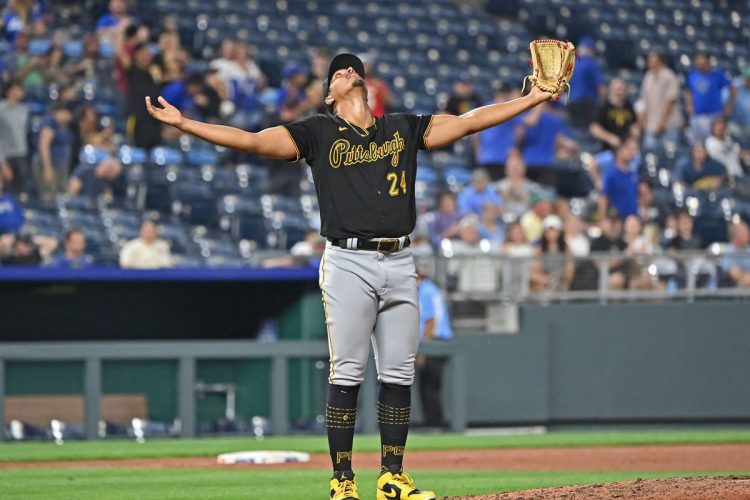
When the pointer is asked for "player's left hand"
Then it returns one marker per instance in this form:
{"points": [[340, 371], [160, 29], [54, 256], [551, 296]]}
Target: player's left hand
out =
{"points": [[167, 114]]}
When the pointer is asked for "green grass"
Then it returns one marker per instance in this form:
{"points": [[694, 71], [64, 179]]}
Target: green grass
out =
{"points": [[80, 450], [103, 484]]}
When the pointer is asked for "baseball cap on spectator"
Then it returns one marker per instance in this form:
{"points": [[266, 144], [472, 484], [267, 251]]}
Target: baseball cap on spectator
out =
{"points": [[587, 42], [341, 61], [613, 214], [293, 69], [540, 195], [552, 222]]}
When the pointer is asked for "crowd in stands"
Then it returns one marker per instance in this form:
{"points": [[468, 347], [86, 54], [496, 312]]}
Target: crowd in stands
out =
{"points": [[610, 167]]}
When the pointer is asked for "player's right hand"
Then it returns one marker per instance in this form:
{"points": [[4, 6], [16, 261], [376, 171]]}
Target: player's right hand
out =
{"points": [[167, 114]]}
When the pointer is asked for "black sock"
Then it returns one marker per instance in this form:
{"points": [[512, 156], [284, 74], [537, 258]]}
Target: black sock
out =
{"points": [[394, 413], [341, 414]]}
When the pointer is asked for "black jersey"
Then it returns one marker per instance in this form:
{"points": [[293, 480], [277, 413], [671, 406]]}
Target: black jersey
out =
{"points": [[364, 178]]}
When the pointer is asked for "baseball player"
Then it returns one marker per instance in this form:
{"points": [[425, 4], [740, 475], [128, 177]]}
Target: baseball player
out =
{"points": [[364, 170]]}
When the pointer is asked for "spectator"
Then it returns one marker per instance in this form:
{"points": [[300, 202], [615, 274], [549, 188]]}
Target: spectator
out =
{"points": [[22, 252], [651, 211], [620, 185], [659, 104], [127, 38], [637, 244], [515, 190], [103, 179], [14, 147], [171, 59], [468, 237], [54, 70], [586, 85], [55, 147], [285, 178], [23, 66], [435, 325], [474, 196], [11, 212], [737, 261], [89, 65], [541, 207], [194, 97], [578, 244], [146, 252], [553, 271], [74, 256], [616, 119], [699, 171], [516, 244], [722, 148], [685, 239], [89, 131], [544, 138], [379, 96], [610, 241], [447, 218], [117, 16], [295, 84], [144, 131], [464, 98], [497, 144], [515, 268], [704, 86], [20, 15], [490, 225], [236, 67], [741, 111]]}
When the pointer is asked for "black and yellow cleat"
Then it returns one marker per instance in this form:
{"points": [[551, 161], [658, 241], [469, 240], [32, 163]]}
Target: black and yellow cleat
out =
{"points": [[344, 486], [400, 486]]}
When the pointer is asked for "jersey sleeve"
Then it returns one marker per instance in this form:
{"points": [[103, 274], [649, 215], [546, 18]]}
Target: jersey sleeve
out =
{"points": [[420, 126], [304, 135]]}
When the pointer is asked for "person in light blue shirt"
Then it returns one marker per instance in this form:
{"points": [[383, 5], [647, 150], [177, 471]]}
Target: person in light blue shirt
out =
{"points": [[741, 112], [474, 196], [434, 325], [704, 87]]}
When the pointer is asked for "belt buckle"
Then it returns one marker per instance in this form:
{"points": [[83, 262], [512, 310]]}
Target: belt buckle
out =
{"points": [[394, 245]]}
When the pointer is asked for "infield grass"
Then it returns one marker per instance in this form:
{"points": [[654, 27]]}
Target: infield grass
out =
{"points": [[119, 449], [165, 484]]}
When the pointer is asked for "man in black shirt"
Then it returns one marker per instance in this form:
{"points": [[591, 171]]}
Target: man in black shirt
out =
{"points": [[364, 170], [616, 118], [144, 131]]}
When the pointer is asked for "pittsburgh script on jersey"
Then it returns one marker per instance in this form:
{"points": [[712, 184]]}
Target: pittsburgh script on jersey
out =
{"points": [[343, 153]]}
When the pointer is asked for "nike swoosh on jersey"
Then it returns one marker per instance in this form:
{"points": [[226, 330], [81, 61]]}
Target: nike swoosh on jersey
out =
{"points": [[341, 129]]}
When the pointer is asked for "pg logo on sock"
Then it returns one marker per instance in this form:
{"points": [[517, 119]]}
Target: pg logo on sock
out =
{"points": [[343, 455], [395, 450]]}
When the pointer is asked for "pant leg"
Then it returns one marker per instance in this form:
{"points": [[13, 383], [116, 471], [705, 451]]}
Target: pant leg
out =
{"points": [[21, 174], [350, 304], [397, 327]]}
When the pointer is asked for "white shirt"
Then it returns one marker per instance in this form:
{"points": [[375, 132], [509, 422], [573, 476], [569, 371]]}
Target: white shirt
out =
{"points": [[726, 152], [137, 254]]}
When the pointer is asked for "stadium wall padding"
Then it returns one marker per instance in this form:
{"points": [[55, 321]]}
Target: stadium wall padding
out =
{"points": [[589, 364]]}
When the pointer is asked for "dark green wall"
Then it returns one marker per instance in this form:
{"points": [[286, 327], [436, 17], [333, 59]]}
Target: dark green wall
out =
{"points": [[568, 363]]}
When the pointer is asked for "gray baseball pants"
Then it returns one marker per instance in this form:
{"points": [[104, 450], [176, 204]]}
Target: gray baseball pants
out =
{"points": [[369, 295]]}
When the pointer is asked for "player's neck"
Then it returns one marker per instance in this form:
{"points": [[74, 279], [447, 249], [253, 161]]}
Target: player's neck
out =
{"points": [[356, 112]]}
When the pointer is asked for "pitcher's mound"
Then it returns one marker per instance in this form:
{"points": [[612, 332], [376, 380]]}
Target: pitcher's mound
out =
{"points": [[691, 488]]}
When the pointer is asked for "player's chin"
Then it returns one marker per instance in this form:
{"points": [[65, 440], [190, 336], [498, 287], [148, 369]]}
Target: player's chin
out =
{"points": [[358, 83]]}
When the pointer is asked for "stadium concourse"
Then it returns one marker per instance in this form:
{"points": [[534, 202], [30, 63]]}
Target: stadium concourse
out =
{"points": [[83, 165]]}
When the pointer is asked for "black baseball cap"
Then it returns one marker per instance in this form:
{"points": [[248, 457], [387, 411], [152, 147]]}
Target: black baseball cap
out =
{"points": [[341, 61]]}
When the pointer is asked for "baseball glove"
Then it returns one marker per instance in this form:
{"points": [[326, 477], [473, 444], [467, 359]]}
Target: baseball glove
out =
{"points": [[552, 63]]}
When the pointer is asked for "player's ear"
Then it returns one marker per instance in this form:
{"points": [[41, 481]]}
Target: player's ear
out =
{"points": [[329, 100]]}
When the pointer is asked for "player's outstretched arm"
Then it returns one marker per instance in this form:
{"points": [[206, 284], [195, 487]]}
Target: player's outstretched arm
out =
{"points": [[272, 142], [446, 129]]}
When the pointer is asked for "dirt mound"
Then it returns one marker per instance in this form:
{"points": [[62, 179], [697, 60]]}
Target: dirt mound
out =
{"points": [[685, 488]]}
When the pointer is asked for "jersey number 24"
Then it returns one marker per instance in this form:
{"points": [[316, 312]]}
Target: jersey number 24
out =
{"points": [[395, 184]]}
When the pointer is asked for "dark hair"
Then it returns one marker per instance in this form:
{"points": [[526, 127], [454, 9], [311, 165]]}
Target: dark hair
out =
{"points": [[59, 106], [646, 182], [73, 230], [560, 242], [445, 193], [682, 212], [195, 79], [131, 31], [9, 85]]}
